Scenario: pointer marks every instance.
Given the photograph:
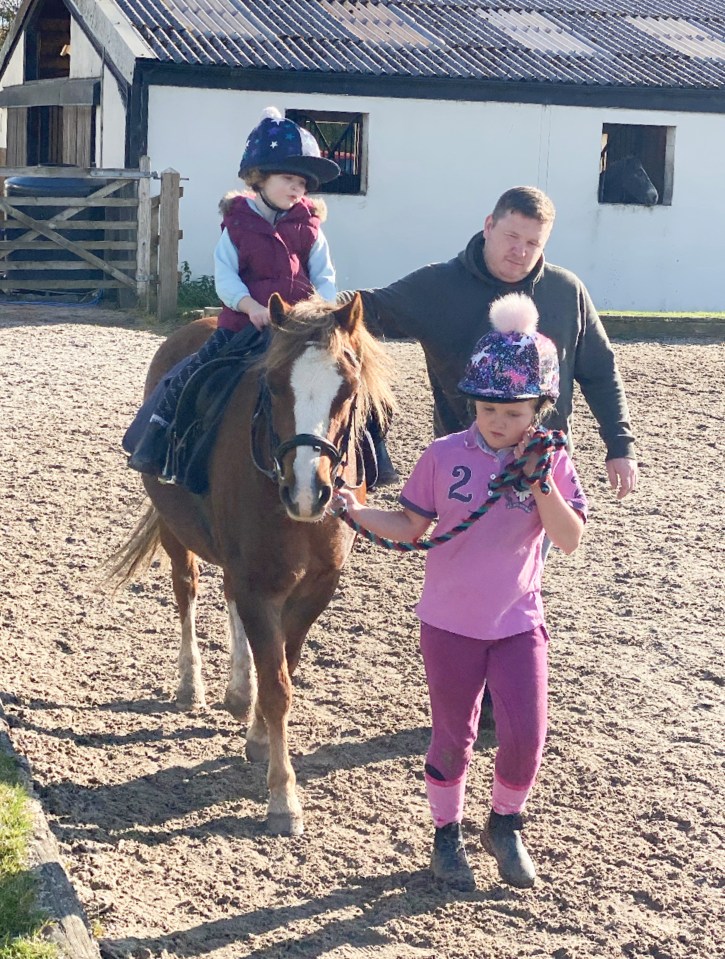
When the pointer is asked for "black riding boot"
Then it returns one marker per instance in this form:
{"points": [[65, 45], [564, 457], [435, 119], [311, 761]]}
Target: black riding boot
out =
{"points": [[449, 862], [502, 839], [387, 473], [152, 449]]}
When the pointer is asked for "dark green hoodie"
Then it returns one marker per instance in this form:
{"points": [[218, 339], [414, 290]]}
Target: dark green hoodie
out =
{"points": [[445, 306]]}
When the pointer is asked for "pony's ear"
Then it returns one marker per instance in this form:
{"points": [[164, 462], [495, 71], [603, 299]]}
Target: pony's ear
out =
{"points": [[350, 315], [278, 310]]}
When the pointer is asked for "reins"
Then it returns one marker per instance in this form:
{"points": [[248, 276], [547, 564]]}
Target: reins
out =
{"points": [[543, 443]]}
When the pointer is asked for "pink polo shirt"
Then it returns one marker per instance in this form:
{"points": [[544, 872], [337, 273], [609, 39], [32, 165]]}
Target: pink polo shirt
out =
{"points": [[486, 582]]}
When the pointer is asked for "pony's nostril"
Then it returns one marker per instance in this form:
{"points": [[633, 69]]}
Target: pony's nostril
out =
{"points": [[325, 496]]}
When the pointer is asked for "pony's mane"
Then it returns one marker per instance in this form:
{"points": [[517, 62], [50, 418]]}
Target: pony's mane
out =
{"points": [[313, 321]]}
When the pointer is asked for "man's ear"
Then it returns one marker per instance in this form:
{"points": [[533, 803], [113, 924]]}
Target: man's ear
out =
{"points": [[278, 310]]}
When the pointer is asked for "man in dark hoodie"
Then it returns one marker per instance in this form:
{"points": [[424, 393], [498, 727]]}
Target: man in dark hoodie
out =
{"points": [[445, 307]]}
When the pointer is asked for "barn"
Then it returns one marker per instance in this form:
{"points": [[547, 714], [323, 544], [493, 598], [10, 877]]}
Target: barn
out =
{"points": [[431, 107]]}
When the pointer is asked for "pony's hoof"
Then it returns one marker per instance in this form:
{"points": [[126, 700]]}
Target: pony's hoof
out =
{"points": [[257, 752], [239, 707], [284, 824], [188, 701]]}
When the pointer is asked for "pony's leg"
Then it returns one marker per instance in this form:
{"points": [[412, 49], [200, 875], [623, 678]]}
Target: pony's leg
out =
{"points": [[284, 812], [185, 579], [268, 730], [257, 749], [242, 677]]}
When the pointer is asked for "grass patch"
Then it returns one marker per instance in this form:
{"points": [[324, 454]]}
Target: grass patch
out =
{"points": [[198, 293], [659, 313], [21, 921]]}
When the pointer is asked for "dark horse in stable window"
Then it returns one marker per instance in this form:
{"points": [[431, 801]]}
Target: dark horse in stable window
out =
{"points": [[626, 181]]}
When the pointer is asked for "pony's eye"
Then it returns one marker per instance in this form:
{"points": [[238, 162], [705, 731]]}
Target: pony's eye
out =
{"points": [[352, 358]]}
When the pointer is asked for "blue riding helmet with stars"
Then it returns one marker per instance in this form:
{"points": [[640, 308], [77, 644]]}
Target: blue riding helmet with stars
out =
{"points": [[279, 145]]}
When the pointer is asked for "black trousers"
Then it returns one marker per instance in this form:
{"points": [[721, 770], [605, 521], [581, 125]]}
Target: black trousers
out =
{"points": [[170, 400]]}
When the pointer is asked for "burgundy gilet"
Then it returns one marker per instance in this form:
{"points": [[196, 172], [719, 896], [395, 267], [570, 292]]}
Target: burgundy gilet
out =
{"points": [[272, 259]]}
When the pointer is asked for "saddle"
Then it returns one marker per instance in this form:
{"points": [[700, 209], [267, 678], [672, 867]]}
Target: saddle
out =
{"points": [[201, 407], [202, 404]]}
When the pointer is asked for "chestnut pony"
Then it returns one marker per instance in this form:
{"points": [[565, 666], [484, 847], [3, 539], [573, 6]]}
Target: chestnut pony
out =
{"points": [[288, 434]]}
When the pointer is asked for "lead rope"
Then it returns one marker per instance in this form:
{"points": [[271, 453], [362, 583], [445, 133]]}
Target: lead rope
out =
{"points": [[543, 443]]}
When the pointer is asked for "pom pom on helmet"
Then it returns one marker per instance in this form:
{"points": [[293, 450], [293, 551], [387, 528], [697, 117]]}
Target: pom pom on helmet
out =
{"points": [[514, 313], [513, 361]]}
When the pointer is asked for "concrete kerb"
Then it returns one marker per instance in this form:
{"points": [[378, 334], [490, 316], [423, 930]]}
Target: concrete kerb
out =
{"points": [[663, 327], [68, 927]]}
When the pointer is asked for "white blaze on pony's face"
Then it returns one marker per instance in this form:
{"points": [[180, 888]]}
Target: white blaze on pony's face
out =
{"points": [[315, 381]]}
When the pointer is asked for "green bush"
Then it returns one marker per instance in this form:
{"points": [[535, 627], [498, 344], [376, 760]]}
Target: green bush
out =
{"points": [[195, 294]]}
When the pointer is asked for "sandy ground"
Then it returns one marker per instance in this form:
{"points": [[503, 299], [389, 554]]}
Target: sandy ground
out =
{"points": [[160, 819]]}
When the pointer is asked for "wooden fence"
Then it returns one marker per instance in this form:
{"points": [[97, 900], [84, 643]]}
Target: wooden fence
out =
{"points": [[115, 236]]}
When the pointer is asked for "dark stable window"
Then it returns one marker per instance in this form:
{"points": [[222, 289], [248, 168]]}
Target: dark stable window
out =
{"points": [[634, 166], [340, 138]]}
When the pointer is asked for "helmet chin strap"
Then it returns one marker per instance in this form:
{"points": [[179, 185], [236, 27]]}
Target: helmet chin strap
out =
{"points": [[268, 203]]}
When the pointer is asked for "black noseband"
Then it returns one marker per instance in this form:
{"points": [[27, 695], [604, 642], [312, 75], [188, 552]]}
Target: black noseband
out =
{"points": [[315, 442]]}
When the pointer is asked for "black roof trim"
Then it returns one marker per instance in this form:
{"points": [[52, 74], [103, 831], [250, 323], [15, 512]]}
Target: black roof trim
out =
{"points": [[63, 91], [691, 100]]}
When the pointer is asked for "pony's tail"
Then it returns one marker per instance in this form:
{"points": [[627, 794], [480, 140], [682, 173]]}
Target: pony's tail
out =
{"points": [[136, 555]]}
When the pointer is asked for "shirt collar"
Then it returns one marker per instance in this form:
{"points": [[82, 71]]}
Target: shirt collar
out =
{"points": [[475, 439]]}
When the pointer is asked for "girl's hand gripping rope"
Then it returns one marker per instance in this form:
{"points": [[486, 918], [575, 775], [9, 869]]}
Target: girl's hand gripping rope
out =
{"points": [[404, 528]]}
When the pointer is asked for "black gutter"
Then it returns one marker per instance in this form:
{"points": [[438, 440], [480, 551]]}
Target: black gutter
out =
{"points": [[685, 99]]}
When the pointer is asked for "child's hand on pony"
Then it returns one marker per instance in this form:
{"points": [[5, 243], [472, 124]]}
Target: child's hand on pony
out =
{"points": [[258, 314], [344, 499]]}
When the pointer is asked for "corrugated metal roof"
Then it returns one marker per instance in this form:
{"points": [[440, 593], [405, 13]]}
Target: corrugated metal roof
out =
{"points": [[678, 43], [687, 38]]}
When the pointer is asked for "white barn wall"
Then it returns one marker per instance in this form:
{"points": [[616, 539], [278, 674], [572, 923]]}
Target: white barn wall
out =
{"points": [[111, 116], [111, 131], [639, 258], [435, 169]]}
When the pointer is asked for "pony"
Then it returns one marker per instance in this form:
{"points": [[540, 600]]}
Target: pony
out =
{"points": [[626, 181], [288, 435]]}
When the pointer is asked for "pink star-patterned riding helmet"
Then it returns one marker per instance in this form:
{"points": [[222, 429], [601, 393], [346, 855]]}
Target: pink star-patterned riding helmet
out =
{"points": [[513, 361]]}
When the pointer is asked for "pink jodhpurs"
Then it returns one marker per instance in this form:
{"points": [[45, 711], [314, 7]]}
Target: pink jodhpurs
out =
{"points": [[515, 670]]}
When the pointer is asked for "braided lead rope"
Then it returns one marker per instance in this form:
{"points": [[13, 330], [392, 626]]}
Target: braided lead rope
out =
{"points": [[543, 443]]}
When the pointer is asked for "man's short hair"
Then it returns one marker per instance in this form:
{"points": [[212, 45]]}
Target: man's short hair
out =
{"points": [[528, 201]]}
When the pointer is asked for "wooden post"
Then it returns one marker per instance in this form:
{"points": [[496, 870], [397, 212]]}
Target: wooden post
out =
{"points": [[168, 288], [143, 237], [3, 159]]}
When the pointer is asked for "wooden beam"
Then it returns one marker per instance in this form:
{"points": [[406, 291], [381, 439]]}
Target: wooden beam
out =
{"points": [[38, 283], [111, 173], [59, 92], [143, 239], [168, 289]]}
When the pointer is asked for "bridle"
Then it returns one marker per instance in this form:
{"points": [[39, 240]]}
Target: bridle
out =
{"points": [[339, 455]]}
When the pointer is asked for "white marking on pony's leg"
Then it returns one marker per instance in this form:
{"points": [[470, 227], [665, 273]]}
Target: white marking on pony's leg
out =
{"points": [[190, 692], [284, 810], [315, 382], [257, 737], [242, 676]]}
